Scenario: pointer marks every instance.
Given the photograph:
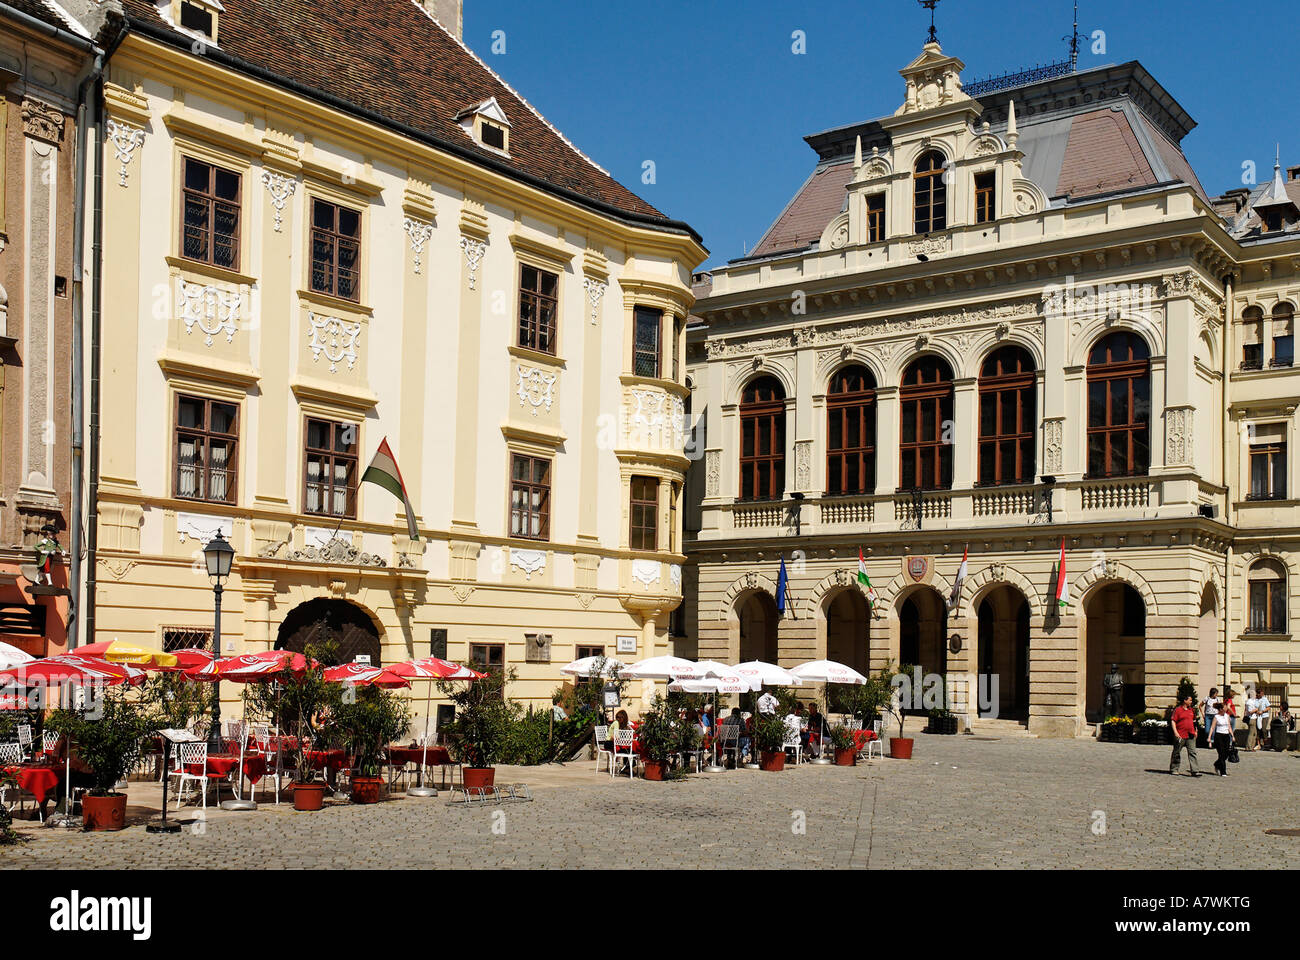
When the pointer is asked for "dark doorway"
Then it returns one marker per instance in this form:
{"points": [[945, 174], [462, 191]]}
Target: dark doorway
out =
{"points": [[758, 619], [1003, 618], [333, 622]]}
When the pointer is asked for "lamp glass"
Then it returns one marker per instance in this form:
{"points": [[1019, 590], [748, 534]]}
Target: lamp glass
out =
{"points": [[218, 555]]}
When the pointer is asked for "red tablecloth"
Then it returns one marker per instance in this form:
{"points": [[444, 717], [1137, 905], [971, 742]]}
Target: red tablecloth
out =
{"points": [[219, 765], [255, 766], [400, 756], [860, 737], [37, 780], [320, 759]]}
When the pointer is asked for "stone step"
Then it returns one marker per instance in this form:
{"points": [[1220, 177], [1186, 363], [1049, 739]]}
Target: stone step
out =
{"points": [[1000, 727]]}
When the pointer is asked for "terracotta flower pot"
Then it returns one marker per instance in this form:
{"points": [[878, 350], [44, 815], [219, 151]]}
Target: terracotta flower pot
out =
{"points": [[475, 777], [367, 789], [846, 757], [900, 748], [308, 796], [771, 760], [104, 813], [653, 770]]}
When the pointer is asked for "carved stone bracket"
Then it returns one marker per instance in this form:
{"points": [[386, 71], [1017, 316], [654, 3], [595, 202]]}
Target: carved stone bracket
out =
{"points": [[595, 290], [124, 138], [419, 231], [280, 188], [474, 251]]}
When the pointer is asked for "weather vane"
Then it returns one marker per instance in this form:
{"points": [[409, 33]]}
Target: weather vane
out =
{"points": [[930, 5]]}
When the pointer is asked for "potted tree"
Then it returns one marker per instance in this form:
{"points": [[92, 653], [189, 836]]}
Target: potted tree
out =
{"points": [[109, 745], [659, 739], [308, 704], [846, 750], [769, 739], [482, 725], [900, 747], [367, 719]]}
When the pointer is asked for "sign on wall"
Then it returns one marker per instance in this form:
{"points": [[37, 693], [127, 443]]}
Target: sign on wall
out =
{"points": [[627, 644]]}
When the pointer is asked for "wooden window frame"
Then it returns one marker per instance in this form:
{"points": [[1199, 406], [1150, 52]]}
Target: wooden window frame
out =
{"points": [[207, 436], [1282, 313], [582, 650], [640, 534], [876, 218], [1021, 389], [846, 406], [1275, 454], [769, 416], [640, 313], [929, 193], [986, 193], [485, 664], [539, 332], [211, 202], [1108, 372], [933, 401], [530, 487], [1273, 586], [327, 486], [1252, 317], [335, 239]]}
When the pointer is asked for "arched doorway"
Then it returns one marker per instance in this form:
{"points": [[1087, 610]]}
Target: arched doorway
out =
{"points": [[1003, 620], [758, 619], [325, 620], [923, 625], [848, 629], [1207, 642], [1116, 633]]}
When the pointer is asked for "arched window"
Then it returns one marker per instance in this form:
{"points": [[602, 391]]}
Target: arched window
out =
{"points": [[1007, 417], [1252, 338], [1283, 336], [851, 432], [762, 440], [925, 445], [931, 193], [1119, 406], [1267, 592]]}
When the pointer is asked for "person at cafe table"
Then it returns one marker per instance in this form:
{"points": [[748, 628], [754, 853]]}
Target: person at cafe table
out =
{"points": [[815, 721], [742, 738], [83, 775]]}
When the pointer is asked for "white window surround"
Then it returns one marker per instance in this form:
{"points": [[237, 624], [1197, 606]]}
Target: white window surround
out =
{"points": [[472, 119]]}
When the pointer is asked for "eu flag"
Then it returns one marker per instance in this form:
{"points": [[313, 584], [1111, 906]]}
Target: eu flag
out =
{"points": [[782, 586]]}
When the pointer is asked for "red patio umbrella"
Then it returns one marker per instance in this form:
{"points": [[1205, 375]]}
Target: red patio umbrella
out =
{"points": [[364, 674], [72, 668], [252, 667], [430, 669]]}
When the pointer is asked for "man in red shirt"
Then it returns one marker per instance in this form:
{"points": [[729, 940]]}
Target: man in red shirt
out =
{"points": [[1184, 723]]}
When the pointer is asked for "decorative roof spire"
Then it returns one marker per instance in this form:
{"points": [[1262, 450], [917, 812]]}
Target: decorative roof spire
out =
{"points": [[930, 5], [857, 154], [1012, 135]]}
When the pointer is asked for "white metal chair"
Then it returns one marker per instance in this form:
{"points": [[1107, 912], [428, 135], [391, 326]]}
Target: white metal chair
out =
{"points": [[729, 739], [877, 726], [623, 750], [49, 740], [852, 725], [794, 741], [25, 740], [190, 755], [11, 754], [602, 734]]}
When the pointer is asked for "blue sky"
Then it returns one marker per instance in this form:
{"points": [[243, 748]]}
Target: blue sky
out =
{"points": [[711, 92]]}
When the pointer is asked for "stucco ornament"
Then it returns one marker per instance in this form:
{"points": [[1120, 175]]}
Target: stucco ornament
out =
{"points": [[595, 291], [209, 308], [124, 138], [334, 339], [535, 388], [280, 188], [474, 250], [528, 561], [645, 571], [419, 231]]}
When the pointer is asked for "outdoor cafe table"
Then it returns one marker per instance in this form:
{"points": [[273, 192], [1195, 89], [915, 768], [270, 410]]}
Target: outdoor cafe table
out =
{"points": [[37, 779], [399, 757]]}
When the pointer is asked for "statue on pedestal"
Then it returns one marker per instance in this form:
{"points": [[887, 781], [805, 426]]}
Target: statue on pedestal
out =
{"points": [[1112, 686]]}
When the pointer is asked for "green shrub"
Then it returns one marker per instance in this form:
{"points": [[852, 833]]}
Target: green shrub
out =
{"points": [[111, 742]]}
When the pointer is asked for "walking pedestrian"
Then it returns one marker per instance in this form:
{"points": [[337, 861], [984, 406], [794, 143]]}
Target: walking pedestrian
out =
{"points": [[1222, 741], [1229, 706], [1262, 707], [1184, 724], [1209, 707]]}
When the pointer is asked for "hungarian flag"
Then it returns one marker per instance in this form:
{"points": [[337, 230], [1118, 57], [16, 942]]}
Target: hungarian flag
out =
{"points": [[955, 597], [384, 473], [865, 580], [1062, 584]]}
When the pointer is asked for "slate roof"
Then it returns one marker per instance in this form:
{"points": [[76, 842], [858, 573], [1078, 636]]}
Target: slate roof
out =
{"points": [[1088, 134], [48, 13], [391, 62]]}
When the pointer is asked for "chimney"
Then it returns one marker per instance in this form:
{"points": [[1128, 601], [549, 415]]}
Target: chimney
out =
{"points": [[1293, 173], [449, 14]]}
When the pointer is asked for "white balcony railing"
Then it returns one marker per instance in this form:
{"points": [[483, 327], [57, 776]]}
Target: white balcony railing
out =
{"points": [[1118, 494]]}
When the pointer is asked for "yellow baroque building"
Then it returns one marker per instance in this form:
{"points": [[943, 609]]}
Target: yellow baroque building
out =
{"points": [[310, 248]]}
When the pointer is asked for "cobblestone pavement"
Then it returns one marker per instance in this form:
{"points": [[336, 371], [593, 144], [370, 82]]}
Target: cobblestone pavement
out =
{"points": [[962, 802]]}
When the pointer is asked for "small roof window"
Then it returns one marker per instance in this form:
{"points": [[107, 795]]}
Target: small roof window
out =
{"points": [[198, 17], [486, 123]]}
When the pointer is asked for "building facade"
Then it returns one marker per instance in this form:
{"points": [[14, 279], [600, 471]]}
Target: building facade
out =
{"points": [[1004, 326], [44, 54], [303, 258]]}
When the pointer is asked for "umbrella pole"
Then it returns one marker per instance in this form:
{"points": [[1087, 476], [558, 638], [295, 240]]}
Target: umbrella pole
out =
{"points": [[422, 790], [239, 803], [821, 747]]}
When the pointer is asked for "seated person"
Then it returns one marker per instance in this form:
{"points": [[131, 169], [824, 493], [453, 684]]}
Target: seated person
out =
{"points": [[620, 723], [83, 776], [815, 728], [742, 738]]}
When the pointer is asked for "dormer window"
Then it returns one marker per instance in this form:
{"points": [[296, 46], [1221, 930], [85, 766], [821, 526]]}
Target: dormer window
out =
{"points": [[198, 16], [985, 194], [486, 123]]}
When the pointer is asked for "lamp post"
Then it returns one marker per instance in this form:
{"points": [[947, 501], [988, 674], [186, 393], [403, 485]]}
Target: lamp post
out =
{"points": [[1048, 484], [218, 555], [917, 504]]}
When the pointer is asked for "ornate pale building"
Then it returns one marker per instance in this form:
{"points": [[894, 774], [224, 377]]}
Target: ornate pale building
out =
{"points": [[1003, 323], [316, 238]]}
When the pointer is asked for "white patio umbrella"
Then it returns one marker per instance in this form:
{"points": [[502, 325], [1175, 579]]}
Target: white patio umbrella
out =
{"points": [[827, 671], [586, 667], [767, 674], [727, 681], [665, 668]]}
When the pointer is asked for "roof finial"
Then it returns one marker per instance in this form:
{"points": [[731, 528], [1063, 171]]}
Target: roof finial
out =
{"points": [[857, 154], [930, 5], [1012, 135]]}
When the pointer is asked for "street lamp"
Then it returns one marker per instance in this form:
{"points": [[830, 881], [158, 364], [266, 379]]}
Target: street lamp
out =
{"points": [[218, 555], [917, 504], [1048, 484]]}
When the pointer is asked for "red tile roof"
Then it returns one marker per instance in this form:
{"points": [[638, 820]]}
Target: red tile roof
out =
{"points": [[818, 202], [393, 62], [1102, 155]]}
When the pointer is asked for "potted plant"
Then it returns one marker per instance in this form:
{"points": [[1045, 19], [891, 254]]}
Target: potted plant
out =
{"points": [[942, 721], [1116, 730], [659, 739], [846, 750], [482, 726], [109, 743], [769, 738], [367, 719], [900, 747]]}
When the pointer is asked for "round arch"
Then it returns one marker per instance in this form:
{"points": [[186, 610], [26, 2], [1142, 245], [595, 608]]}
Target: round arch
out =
{"points": [[1111, 571], [985, 581], [901, 586], [729, 602], [325, 619], [834, 362], [1092, 332], [939, 349], [742, 379]]}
